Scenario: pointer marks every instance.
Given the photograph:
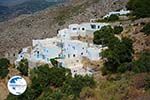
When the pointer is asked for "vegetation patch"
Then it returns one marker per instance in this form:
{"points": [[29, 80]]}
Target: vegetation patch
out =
{"points": [[140, 8], [4, 64], [146, 29], [54, 83], [23, 67]]}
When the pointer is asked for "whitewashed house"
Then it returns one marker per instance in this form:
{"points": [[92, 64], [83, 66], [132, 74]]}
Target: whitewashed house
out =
{"points": [[74, 48], [83, 29], [64, 34], [121, 12], [93, 54], [44, 54], [69, 53], [22, 55]]}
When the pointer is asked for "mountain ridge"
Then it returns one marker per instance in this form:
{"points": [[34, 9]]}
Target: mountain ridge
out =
{"points": [[15, 8]]}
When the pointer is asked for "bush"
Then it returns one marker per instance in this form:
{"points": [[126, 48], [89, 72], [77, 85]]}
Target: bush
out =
{"points": [[118, 29], [54, 62], [112, 18], [124, 67], [118, 53], [142, 64], [146, 29], [76, 84], [140, 8], [23, 67], [4, 64], [103, 35], [147, 83], [54, 83]]}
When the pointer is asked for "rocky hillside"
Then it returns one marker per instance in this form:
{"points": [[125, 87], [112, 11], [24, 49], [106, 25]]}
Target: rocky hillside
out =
{"points": [[19, 32]]}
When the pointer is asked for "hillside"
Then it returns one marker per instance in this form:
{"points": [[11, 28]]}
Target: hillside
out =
{"points": [[18, 33], [122, 72], [19, 7]]}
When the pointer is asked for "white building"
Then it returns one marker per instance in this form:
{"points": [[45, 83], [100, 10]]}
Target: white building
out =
{"points": [[121, 12], [74, 48], [64, 34], [68, 52], [23, 54], [94, 54], [83, 29]]}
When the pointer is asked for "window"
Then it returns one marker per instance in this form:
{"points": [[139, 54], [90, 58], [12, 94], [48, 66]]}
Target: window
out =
{"points": [[38, 55], [98, 26], [74, 29], [73, 47], [43, 57], [82, 53], [93, 26], [83, 29], [59, 55], [74, 55]]}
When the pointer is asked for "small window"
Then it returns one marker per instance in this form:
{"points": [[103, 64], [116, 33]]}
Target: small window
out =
{"points": [[98, 26], [82, 53], [74, 55], [83, 29], [74, 47], [43, 57], [93, 26], [74, 28]]}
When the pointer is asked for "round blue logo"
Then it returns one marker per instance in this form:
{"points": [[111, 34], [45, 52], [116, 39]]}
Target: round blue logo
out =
{"points": [[17, 85]]}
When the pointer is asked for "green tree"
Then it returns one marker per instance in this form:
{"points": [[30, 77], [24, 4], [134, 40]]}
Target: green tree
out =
{"points": [[118, 29], [76, 84], [140, 8], [41, 76], [54, 76], [59, 76], [142, 64], [103, 35], [54, 62], [4, 64], [23, 67], [112, 18], [118, 53], [146, 29]]}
